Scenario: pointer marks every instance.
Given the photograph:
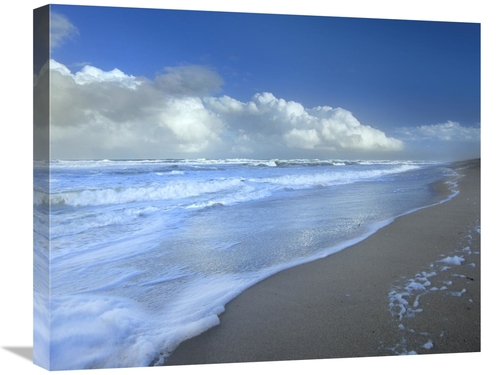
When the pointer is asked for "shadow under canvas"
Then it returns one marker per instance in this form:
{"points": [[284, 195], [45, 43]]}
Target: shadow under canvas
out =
{"points": [[23, 351]]}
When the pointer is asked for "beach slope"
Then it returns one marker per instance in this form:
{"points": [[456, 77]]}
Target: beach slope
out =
{"points": [[411, 288]]}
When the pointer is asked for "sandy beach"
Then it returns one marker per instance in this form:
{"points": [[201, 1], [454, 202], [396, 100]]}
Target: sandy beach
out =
{"points": [[411, 288]]}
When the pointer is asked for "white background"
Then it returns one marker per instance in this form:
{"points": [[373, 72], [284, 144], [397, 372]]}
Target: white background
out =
{"points": [[16, 83]]}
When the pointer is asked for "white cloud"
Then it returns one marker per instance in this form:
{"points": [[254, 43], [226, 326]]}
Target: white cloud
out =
{"points": [[445, 141], [289, 122], [56, 67], [228, 105], [61, 30], [289, 112], [96, 113], [302, 138], [190, 122], [449, 132], [90, 74], [340, 129]]}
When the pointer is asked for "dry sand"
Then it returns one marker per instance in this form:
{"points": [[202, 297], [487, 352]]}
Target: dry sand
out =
{"points": [[339, 306]]}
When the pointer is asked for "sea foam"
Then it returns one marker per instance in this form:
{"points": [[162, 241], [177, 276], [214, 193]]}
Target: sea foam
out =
{"points": [[145, 254]]}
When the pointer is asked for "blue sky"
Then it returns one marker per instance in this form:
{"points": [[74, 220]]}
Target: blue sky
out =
{"points": [[164, 83]]}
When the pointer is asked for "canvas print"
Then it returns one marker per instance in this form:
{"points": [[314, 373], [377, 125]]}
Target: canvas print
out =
{"points": [[218, 187]]}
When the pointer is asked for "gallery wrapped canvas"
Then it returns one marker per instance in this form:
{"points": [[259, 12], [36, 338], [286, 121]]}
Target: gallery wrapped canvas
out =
{"points": [[221, 187]]}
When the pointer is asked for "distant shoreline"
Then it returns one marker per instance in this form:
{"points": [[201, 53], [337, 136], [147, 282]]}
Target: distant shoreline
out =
{"points": [[341, 306]]}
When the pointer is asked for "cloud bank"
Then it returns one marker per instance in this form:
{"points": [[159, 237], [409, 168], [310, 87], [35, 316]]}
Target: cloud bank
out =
{"points": [[96, 113]]}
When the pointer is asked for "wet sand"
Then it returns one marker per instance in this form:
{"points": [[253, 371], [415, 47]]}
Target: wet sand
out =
{"points": [[340, 306]]}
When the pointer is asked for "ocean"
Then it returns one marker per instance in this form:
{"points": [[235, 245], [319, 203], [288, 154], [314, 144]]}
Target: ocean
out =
{"points": [[144, 254]]}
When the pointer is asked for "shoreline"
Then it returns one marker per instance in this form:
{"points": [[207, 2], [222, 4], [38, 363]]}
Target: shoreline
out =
{"points": [[327, 309]]}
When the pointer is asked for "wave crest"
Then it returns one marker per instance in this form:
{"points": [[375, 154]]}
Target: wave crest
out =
{"points": [[172, 191]]}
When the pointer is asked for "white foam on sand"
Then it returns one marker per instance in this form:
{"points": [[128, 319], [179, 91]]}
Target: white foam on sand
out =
{"points": [[404, 299], [428, 345], [454, 261]]}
